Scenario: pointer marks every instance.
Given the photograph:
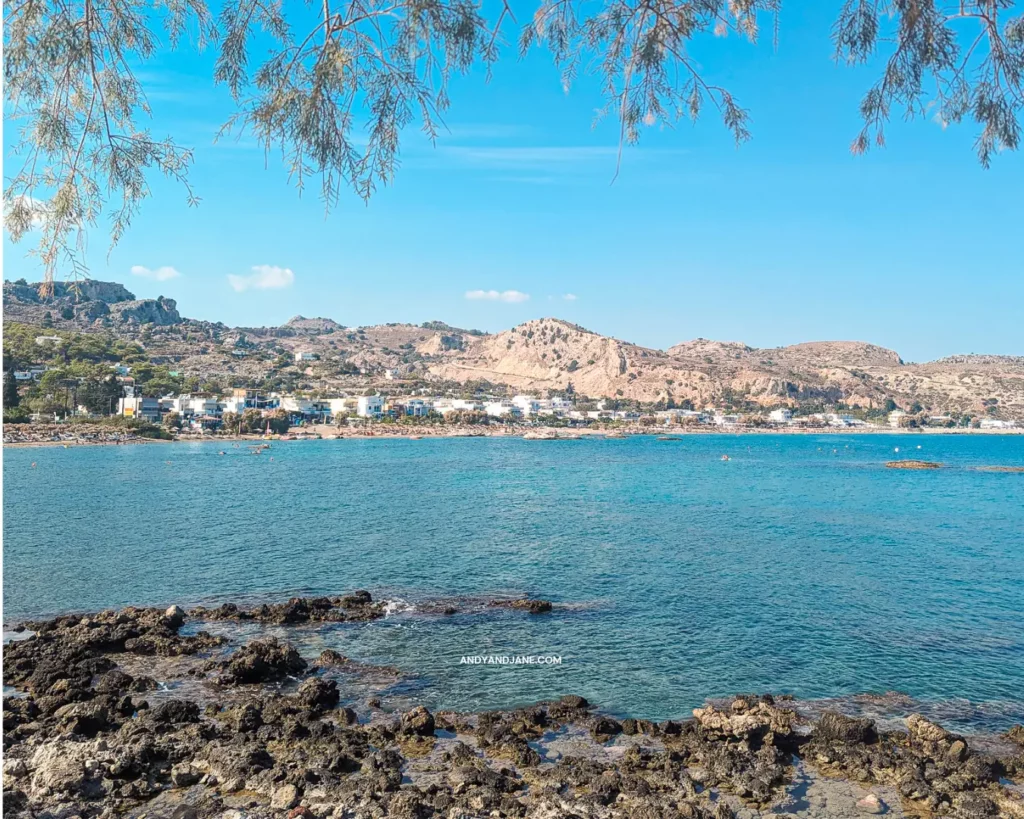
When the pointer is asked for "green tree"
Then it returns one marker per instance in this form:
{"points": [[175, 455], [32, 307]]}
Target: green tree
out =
{"points": [[172, 420], [229, 422], [67, 313], [11, 396], [47, 321], [304, 82], [279, 421], [99, 393]]}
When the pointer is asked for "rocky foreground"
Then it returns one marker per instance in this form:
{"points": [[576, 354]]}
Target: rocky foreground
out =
{"points": [[256, 730]]}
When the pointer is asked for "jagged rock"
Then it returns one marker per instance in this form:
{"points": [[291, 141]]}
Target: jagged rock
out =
{"points": [[603, 728], [261, 661], [418, 721], [318, 694], [85, 718], [835, 727], [746, 718], [159, 311], [58, 768], [91, 310], [285, 797], [183, 775], [175, 712]]}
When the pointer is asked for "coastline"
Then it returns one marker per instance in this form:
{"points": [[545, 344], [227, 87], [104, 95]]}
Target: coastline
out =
{"points": [[198, 714], [389, 432]]}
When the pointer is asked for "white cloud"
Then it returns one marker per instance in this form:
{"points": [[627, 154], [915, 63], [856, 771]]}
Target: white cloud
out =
{"points": [[570, 297], [263, 277], [509, 296], [161, 274]]}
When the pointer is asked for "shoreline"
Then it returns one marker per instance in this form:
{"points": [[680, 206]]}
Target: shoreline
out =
{"points": [[561, 433], [159, 711]]}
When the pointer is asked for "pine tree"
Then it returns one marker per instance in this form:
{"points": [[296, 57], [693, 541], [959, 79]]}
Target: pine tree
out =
{"points": [[11, 397]]}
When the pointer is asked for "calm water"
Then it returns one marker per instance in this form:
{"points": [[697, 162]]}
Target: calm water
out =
{"points": [[800, 566]]}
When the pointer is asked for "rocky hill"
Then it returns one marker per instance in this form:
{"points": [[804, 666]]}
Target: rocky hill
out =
{"points": [[537, 356], [87, 304]]}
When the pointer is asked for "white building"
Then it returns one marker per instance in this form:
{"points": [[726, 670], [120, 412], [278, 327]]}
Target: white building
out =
{"points": [[234, 403], [446, 405], [47, 340], [205, 406], [528, 405], [148, 409], [781, 416], [197, 406], [370, 406], [301, 406], [894, 417], [416, 407], [391, 375], [305, 356], [995, 423], [726, 420], [502, 409], [342, 406]]}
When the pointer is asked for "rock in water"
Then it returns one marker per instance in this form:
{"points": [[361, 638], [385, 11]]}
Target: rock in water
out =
{"points": [[526, 604], [912, 464], [175, 616], [262, 661]]}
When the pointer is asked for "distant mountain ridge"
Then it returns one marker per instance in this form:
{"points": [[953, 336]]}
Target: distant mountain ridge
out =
{"points": [[538, 355]]}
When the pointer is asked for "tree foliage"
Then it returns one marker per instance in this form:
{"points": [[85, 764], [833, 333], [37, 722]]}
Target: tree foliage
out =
{"points": [[307, 81]]}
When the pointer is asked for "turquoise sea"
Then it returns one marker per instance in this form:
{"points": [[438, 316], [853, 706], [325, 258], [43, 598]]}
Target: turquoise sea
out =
{"points": [[799, 566]]}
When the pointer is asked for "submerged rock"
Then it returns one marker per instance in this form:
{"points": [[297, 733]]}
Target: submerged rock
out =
{"points": [[355, 607], [912, 464], [524, 604]]}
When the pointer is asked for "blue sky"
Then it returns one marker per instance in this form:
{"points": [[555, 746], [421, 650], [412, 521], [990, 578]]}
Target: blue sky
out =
{"points": [[788, 238]]}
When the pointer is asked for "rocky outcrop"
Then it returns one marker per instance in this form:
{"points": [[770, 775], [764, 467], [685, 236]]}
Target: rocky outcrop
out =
{"points": [[356, 607], [85, 738], [72, 291], [159, 311], [313, 326]]}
